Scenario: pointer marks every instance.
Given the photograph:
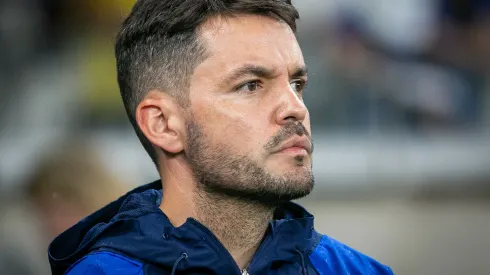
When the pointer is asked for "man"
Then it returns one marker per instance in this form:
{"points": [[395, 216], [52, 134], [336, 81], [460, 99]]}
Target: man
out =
{"points": [[214, 91]]}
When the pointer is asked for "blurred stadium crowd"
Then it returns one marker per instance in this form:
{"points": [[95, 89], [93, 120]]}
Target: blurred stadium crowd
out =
{"points": [[399, 92]]}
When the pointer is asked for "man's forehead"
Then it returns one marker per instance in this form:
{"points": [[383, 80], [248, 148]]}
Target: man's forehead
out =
{"points": [[233, 41], [219, 25]]}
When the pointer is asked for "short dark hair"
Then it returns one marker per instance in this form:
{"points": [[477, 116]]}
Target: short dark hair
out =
{"points": [[158, 45]]}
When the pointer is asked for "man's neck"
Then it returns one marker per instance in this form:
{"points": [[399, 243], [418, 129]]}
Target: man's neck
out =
{"points": [[239, 225]]}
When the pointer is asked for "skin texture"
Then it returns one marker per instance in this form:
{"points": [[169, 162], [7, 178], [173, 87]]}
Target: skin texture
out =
{"points": [[219, 158]]}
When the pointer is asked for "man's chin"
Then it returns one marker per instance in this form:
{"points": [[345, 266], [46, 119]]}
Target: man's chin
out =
{"points": [[273, 194], [280, 165], [292, 173], [294, 185]]}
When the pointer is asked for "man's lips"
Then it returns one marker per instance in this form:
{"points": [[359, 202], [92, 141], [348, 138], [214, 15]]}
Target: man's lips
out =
{"points": [[296, 145]]}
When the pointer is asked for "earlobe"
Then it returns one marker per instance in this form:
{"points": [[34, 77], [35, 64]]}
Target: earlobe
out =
{"points": [[159, 118]]}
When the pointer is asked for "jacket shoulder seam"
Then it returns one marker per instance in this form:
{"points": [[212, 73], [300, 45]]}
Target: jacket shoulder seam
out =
{"points": [[123, 258], [116, 255]]}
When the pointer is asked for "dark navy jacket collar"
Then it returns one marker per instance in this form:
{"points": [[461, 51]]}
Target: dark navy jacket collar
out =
{"points": [[135, 226]]}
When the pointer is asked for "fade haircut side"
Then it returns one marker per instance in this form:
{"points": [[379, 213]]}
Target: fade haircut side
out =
{"points": [[158, 46]]}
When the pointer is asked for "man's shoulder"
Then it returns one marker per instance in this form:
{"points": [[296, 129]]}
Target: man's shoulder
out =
{"points": [[333, 257], [106, 263]]}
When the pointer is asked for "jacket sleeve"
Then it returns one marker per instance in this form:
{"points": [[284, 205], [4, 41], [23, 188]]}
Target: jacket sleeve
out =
{"points": [[105, 263], [333, 257]]}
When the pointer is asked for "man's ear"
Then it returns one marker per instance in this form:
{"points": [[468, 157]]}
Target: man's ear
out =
{"points": [[160, 118]]}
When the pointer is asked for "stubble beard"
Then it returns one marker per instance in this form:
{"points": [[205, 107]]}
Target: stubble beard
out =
{"points": [[220, 172]]}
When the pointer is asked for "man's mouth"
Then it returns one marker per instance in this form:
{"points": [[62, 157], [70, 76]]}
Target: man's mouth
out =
{"points": [[299, 145]]}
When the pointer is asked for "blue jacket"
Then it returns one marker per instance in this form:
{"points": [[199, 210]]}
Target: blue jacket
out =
{"points": [[132, 236]]}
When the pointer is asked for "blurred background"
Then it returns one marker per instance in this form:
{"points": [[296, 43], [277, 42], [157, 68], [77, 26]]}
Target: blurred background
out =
{"points": [[399, 97]]}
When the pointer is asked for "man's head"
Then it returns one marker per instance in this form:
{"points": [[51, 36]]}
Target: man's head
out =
{"points": [[219, 83]]}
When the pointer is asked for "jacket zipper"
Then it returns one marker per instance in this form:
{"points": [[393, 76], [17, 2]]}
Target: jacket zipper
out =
{"points": [[257, 254], [227, 254]]}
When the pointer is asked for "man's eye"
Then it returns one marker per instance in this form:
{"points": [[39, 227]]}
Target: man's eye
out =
{"points": [[251, 86], [298, 86]]}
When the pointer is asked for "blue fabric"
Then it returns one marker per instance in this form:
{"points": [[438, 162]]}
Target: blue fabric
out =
{"points": [[333, 257], [105, 263], [133, 236]]}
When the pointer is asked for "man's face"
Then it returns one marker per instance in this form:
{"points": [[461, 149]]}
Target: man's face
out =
{"points": [[248, 128]]}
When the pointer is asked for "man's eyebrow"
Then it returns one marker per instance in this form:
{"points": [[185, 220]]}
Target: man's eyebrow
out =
{"points": [[245, 70], [300, 72], [260, 71]]}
